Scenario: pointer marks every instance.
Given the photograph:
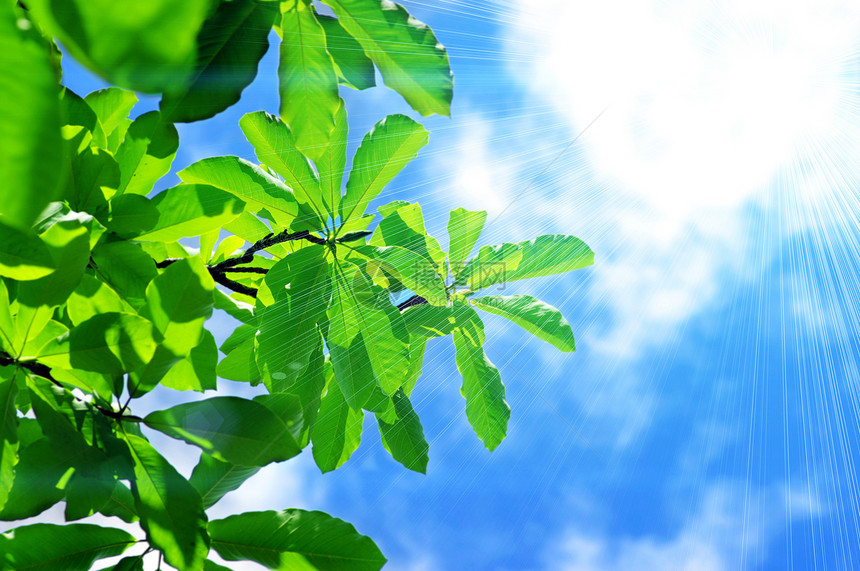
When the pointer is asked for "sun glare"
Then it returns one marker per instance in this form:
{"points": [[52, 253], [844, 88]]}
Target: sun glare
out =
{"points": [[713, 99]]}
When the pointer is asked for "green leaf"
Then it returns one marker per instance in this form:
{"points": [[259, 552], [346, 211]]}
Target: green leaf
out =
{"points": [[60, 547], [277, 147], [93, 383], [410, 58], [109, 343], [86, 494], [143, 380], [146, 47], [486, 409], [428, 321], [246, 181], [146, 153], [92, 297], [354, 371], [31, 149], [382, 331], [96, 178], [116, 138], [170, 509], [337, 431], [212, 566], [286, 407], [230, 45], [81, 126], [546, 255], [354, 68], [40, 480], [288, 332], [308, 388], [22, 255], [8, 335], [295, 540], [404, 227], [231, 429], [179, 301], [385, 150], [131, 563], [332, 163], [126, 267], [129, 215], [308, 82], [240, 364], [111, 105], [464, 229], [417, 348], [404, 439], [342, 316], [538, 318], [213, 478], [120, 504], [238, 310], [197, 371], [190, 210], [69, 244], [412, 270], [8, 432]]}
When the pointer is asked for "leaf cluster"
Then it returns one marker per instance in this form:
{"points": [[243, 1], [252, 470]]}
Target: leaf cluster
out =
{"points": [[102, 299]]}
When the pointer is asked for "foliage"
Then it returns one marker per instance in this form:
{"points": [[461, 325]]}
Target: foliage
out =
{"points": [[102, 299]]}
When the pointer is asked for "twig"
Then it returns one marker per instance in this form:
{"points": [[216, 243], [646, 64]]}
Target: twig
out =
{"points": [[219, 271], [220, 278], [44, 371], [414, 300]]}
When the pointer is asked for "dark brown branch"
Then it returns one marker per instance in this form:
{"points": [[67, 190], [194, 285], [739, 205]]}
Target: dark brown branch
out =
{"points": [[247, 270], [222, 279], [44, 371], [414, 300], [218, 271]]}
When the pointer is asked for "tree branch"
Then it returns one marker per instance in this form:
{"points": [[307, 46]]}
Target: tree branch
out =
{"points": [[219, 271], [222, 279], [44, 371], [414, 300]]}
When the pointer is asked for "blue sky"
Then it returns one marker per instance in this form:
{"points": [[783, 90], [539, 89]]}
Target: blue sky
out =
{"points": [[708, 419]]}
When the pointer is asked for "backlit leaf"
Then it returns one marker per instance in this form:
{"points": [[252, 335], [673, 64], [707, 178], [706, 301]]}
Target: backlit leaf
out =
{"points": [[231, 429], [464, 229], [295, 540], [410, 58], [546, 255], [277, 147], [189, 210], [170, 509], [246, 181], [538, 318], [308, 82], [146, 153], [142, 46], [486, 409], [385, 150], [230, 45], [49, 547], [31, 149], [109, 343], [354, 68], [404, 438], [337, 431], [213, 478]]}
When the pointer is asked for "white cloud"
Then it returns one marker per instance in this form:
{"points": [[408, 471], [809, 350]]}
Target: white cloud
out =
{"points": [[712, 110], [730, 529]]}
